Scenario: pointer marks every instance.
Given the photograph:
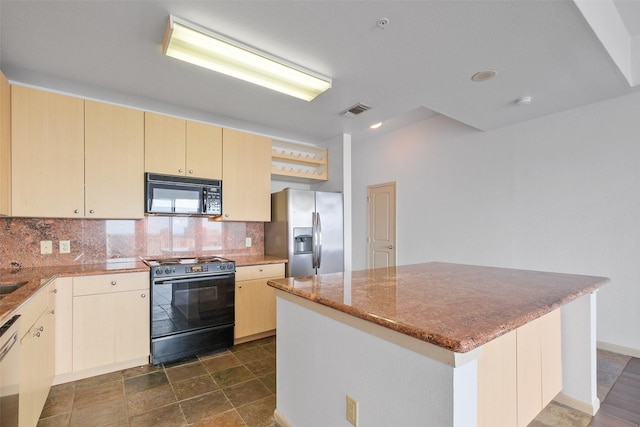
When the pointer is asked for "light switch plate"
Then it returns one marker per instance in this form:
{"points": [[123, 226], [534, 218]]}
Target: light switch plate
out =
{"points": [[65, 246], [46, 247], [248, 242]]}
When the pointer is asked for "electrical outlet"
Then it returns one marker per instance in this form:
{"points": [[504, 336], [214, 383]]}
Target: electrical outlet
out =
{"points": [[65, 246], [247, 242], [352, 410], [46, 247]]}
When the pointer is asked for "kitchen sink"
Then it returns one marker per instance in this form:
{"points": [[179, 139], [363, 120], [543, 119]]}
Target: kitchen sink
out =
{"points": [[8, 287]]}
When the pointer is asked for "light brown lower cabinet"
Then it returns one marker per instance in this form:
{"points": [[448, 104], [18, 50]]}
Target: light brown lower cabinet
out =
{"points": [[37, 326], [255, 305], [520, 372], [110, 319]]}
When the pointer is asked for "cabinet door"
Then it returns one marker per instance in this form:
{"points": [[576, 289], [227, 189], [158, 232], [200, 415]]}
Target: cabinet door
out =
{"points": [[246, 177], [64, 325], [36, 368], [255, 299], [164, 144], [256, 308], [110, 328], [114, 161], [204, 151], [5, 146], [93, 331], [131, 333], [47, 154]]}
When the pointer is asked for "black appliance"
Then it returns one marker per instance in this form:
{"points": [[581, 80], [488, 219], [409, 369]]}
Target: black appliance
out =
{"points": [[192, 307], [179, 195]]}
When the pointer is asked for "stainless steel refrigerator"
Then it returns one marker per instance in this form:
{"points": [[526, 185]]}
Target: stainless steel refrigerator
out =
{"points": [[306, 228]]}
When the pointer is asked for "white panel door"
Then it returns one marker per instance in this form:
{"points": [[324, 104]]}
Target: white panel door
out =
{"points": [[381, 238]]}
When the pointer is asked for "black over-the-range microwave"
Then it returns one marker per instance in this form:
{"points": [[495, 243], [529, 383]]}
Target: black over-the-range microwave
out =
{"points": [[180, 195]]}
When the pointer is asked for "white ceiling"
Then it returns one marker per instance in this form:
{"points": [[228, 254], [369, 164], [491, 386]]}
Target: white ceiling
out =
{"points": [[418, 66]]}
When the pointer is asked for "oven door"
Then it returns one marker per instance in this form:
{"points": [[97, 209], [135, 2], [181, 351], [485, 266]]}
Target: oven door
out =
{"points": [[187, 304]]}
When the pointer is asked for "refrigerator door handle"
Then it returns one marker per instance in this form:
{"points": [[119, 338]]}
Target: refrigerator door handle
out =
{"points": [[314, 241], [319, 246]]}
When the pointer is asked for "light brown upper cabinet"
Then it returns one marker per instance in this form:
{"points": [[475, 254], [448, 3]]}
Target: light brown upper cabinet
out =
{"points": [[176, 146], [72, 159], [47, 154], [114, 161], [5, 146], [246, 177]]}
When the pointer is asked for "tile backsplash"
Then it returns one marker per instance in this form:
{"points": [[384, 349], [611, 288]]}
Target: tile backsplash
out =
{"points": [[95, 240]]}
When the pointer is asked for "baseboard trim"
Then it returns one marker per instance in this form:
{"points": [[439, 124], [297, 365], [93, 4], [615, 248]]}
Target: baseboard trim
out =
{"points": [[627, 351], [254, 337], [280, 419], [75, 376], [589, 409]]}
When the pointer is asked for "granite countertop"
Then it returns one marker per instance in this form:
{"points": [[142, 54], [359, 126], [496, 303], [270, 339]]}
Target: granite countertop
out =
{"points": [[454, 306], [37, 277], [245, 260]]}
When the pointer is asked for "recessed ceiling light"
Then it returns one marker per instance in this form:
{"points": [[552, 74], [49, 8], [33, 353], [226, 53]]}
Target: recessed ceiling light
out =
{"points": [[483, 76], [525, 100], [376, 126]]}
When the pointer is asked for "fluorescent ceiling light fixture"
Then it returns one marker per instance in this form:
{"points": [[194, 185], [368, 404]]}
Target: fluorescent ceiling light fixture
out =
{"points": [[191, 43], [376, 125]]}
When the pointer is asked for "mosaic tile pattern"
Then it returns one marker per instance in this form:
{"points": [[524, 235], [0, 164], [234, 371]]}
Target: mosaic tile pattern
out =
{"points": [[96, 241]]}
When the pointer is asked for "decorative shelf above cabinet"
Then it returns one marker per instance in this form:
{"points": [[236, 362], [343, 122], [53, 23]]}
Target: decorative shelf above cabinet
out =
{"points": [[298, 162]]}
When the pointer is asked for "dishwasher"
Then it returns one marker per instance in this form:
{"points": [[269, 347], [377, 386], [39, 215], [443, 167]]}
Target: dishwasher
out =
{"points": [[9, 373]]}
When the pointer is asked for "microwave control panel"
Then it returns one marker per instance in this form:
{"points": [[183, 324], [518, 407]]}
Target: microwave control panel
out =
{"points": [[213, 201]]}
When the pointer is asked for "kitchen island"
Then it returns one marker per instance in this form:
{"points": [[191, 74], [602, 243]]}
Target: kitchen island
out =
{"points": [[434, 344]]}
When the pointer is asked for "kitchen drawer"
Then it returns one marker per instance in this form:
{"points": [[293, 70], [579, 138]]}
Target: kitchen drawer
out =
{"points": [[33, 308], [259, 272], [106, 283]]}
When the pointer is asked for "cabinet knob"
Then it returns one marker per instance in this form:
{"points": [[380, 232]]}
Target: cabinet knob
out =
{"points": [[143, 295], [261, 270], [190, 171], [55, 291], [180, 170], [52, 312], [113, 283], [37, 335], [226, 215], [76, 211], [92, 211], [390, 247], [41, 328]]}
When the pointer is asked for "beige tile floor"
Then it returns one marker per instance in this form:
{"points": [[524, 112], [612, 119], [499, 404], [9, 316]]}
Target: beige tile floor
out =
{"points": [[227, 389], [610, 366]]}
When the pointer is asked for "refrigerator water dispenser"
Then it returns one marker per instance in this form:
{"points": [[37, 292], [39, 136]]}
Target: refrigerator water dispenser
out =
{"points": [[302, 240]]}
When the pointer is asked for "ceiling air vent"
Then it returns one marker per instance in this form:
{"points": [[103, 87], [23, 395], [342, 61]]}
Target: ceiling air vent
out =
{"points": [[355, 110]]}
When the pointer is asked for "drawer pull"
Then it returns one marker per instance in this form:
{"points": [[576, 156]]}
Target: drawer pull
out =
{"points": [[113, 283], [143, 295]]}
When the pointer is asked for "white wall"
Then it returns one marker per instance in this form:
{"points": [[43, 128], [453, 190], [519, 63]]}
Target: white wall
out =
{"points": [[560, 193], [397, 387]]}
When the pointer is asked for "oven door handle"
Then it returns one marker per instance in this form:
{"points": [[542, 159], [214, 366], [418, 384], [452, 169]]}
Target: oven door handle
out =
{"points": [[170, 281]]}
